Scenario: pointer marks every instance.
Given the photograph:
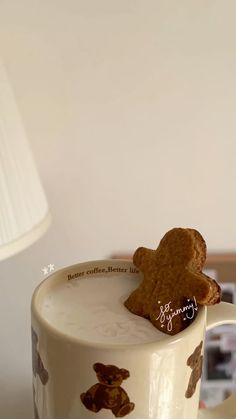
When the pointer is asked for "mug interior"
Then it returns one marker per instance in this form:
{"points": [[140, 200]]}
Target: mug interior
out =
{"points": [[96, 269]]}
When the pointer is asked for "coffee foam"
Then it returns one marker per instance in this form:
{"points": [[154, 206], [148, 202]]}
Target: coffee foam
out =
{"points": [[92, 309]]}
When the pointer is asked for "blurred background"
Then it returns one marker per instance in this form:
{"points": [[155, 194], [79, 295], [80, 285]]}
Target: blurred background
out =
{"points": [[129, 107]]}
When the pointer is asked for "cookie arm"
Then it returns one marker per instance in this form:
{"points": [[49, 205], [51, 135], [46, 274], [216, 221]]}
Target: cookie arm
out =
{"points": [[142, 257], [204, 289]]}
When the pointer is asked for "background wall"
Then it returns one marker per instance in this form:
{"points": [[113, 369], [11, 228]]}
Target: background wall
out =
{"points": [[130, 110]]}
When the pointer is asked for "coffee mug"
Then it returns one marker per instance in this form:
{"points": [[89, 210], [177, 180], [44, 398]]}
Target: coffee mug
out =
{"points": [[93, 359]]}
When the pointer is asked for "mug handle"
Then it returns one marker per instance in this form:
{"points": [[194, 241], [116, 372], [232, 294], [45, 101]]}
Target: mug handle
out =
{"points": [[223, 313]]}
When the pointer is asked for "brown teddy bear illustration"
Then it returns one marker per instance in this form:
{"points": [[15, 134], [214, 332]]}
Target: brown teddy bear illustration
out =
{"points": [[195, 362], [37, 363], [38, 368], [107, 394]]}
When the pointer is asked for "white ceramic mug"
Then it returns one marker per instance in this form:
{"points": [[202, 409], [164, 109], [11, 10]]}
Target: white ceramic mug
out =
{"points": [[74, 378]]}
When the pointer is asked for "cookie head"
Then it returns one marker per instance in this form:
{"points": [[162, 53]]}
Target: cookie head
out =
{"points": [[181, 246]]}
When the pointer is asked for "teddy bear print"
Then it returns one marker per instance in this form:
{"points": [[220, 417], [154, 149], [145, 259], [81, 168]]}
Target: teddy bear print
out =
{"points": [[195, 362], [38, 369], [37, 363], [107, 393]]}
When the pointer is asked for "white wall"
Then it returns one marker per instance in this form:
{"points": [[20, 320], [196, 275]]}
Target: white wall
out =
{"points": [[130, 110]]}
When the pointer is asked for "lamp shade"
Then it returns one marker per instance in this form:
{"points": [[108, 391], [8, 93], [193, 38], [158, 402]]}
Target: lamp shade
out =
{"points": [[24, 214]]}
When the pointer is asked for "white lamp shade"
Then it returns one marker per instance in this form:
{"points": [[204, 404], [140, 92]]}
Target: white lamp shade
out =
{"points": [[24, 214]]}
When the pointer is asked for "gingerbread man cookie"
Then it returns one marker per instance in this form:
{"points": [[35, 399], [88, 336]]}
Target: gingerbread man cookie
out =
{"points": [[195, 362], [173, 285]]}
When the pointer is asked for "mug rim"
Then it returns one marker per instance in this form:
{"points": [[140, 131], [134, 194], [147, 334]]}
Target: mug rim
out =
{"points": [[166, 341]]}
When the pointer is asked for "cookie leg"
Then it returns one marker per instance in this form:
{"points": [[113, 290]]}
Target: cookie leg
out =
{"points": [[135, 304]]}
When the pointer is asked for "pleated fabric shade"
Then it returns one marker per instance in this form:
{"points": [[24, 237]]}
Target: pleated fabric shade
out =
{"points": [[24, 214]]}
